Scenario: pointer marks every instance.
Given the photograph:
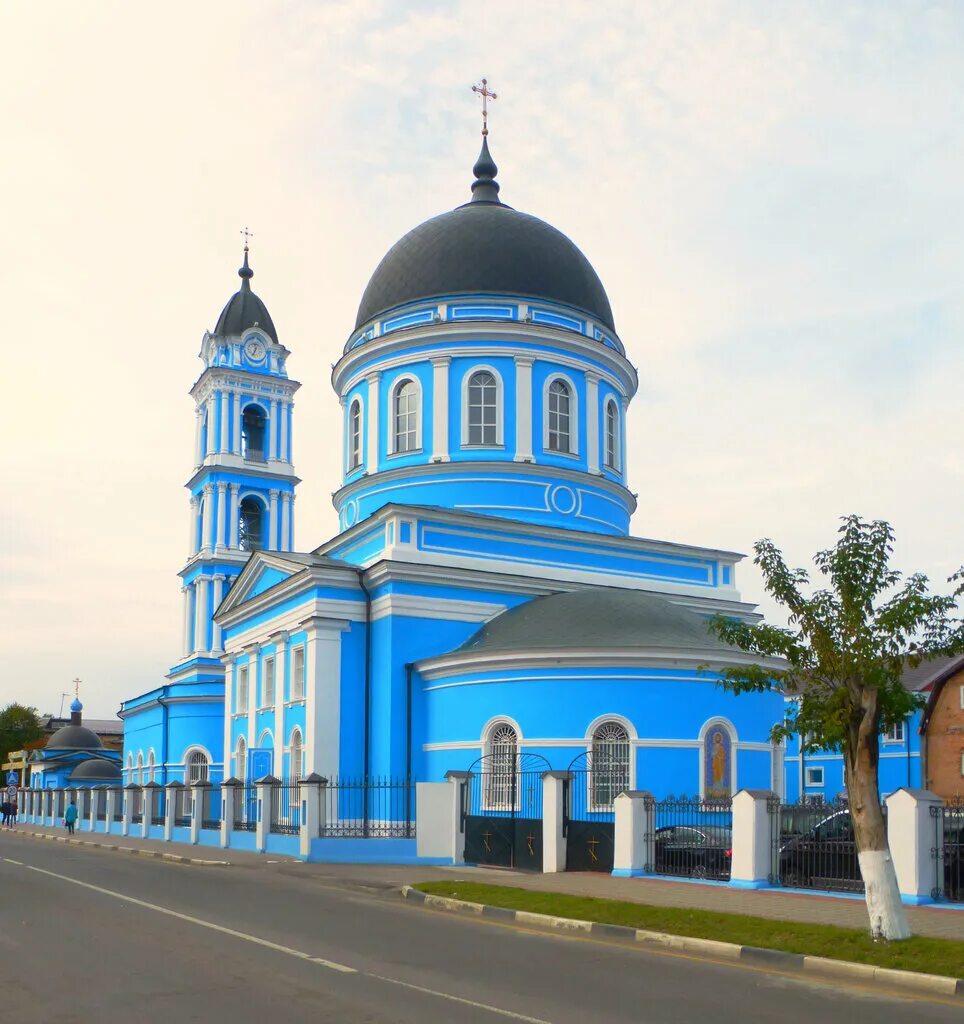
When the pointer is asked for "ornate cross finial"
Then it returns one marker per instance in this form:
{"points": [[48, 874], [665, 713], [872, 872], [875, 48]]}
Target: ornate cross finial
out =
{"points": [[247, 234], [483, 91], [77, 688]]}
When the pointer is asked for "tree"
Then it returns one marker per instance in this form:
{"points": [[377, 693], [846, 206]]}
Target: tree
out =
{"points": [[846, 649], [19, 725]]}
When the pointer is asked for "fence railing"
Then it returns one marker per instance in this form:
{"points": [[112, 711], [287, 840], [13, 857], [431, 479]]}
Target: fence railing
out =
{"points": [[948, 850], [691, 838], [368, 808], [817, 849], [285, 809], [211, 807], [245, 809], [157, 806]]}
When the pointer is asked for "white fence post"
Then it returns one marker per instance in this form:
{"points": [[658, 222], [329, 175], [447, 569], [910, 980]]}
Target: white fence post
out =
{"points": [[309, 794], [92, 808], [265, 787], [197, 809], [130, 794], [751, 864], [172, 794], [147, 801], [635, 821], [460, 784], [913, 834], [229, 794], [553, 807]]}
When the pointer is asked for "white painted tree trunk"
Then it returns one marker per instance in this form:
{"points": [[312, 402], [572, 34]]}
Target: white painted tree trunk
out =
{"points": [[888, 919]]}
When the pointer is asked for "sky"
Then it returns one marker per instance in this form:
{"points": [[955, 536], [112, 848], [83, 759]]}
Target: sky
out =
{"points": [[772, 194]]}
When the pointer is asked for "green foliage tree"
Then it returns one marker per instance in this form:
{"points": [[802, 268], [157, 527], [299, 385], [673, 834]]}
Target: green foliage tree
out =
{"points": [[19, 725], [846, 648]]}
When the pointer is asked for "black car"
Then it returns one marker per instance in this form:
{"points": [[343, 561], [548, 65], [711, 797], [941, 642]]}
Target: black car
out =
{"points": [[693, 850], [823, 857]]}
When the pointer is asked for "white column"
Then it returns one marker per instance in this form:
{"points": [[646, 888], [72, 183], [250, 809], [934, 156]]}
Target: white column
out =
{"points": [[753, 850], [171, 791], [323, 697], [206, 517], [113, 795], [254, 663], [523, 409], [188, 619], [913, 835], [220, 539], [592, 422], [633, 834], [218, 597], [280, 675], [201, 613], [225, 412], [284, 431], [264, 790], [236, 439], [291, 522], [273, 520], [230, 678], [197, 811], [440, 409], [192, 532], [553, 841], [233, 533], [129, 790], [373, 426], [147, 806], [210, 406], [198, 423], [285, 522]]}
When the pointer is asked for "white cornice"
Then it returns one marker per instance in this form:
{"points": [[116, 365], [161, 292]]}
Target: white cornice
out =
{"points": [[435, 608], [273, 469], [331, 615], [237, 607], [246, 380]]}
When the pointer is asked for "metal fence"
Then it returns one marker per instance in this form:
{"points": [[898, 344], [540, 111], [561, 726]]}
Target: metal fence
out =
{"points": [[157, 806], [371, 808], [691, 838], [285, 809], [100, 804], [245, 809], [211, 807], [948, 849], [136, 797], [816, 847]]}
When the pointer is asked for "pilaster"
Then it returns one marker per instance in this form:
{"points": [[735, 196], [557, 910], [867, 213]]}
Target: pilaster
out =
{"points": [[592, 422], [523, 409], [373, 417], [440, 408], [221, 538], [280, 678], [202, 613], [273, 520], [233, 541]]}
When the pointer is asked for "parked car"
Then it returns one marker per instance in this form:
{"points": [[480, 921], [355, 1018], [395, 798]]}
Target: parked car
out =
{"points": [[696, 851], [823, 857], [954, 858]]}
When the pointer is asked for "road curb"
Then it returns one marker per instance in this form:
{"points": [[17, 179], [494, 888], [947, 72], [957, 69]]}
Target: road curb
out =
{"points": [[796, 963], [158, 854]]}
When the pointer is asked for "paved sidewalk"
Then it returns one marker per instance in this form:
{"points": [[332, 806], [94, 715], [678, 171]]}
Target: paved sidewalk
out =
{"points": [[938, 922]]}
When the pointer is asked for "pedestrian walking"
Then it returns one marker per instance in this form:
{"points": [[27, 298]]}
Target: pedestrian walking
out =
{"points": [[5, 809], [14, 813], [70, 817]]}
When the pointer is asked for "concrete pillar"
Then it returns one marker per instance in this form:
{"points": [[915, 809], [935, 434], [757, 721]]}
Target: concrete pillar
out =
{"points": [[172, 792], [197, 809], [915, 837], [280, 676], [634, 834], [92, 809], [459, 800], [229, 795], [755, 832], [553, 841], [147, 801], [130, 790], [310, 791], [264, 788]]}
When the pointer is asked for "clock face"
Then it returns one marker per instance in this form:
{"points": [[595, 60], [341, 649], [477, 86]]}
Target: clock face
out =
{"points": [[254, 350]]}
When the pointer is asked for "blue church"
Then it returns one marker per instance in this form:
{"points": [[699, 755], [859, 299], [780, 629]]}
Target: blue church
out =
{"points": [[484, 595]]}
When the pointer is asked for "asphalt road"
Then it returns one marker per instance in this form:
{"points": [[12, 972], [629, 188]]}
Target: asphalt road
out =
{"points": [[88, 934]]}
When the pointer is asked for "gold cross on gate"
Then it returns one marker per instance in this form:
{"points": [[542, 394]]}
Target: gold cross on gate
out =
{"points": [[247, 234], [483, 91], [530, 839], [486, 836], [592, 844]]}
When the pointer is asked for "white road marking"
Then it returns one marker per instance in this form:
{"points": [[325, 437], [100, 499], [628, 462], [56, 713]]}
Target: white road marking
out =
{"points": [[459, 999], [10, 860]]}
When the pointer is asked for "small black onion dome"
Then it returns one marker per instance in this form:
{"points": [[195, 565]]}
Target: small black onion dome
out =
{"points": [[485, 247], [96, 770], [74, 737], [245, 309]]}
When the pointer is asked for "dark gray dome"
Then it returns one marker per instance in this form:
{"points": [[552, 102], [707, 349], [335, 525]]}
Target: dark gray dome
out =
{"points": [[74, 737], [96, 770], [485, 247], [595, 617], [245, 309]]}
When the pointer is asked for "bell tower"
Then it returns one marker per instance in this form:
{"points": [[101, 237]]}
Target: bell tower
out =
{"points": [[242, 489]]}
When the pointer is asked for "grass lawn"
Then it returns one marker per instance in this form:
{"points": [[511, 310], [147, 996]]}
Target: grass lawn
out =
{"points": [[932, 956]]}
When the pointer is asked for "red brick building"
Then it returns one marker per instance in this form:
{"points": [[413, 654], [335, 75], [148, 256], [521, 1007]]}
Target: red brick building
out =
{"points": [[942, 726]]}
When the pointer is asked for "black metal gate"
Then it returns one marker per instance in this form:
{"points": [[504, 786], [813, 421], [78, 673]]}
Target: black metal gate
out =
{"points": [[588, 816], [502, 811]]}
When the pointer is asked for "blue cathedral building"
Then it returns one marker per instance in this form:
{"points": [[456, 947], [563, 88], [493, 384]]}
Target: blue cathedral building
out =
{"points": [[484, 595]]}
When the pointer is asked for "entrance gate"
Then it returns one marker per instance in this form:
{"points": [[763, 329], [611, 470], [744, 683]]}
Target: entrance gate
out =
{"points": [[502, 811], [588, 816]]}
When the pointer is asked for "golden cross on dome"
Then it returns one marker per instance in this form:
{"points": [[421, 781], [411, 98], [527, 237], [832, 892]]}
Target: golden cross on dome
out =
{"points": [[483, 91], [77, 688], [247, 234]]}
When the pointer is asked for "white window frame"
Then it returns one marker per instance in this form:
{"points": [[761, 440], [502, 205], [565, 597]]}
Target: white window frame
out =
{"points": [[297, 691], [493, 797], [189, 763], [294, 776], [891, 735], [616, 464], [241, 758], [573, 452], [627, 742], [499, 441], [140, 768], [151, 765], [355, 457], [962, 697], [268, 668], [810, 780], [244, 683], [397, 384]]}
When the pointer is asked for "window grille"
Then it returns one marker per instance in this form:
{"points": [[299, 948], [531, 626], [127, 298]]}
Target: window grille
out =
{"points": [[251, 525], [483, 409], [612, 435], [355, 435], [297, 673], [610, 764], [500, 778], [560, 404], [405, 415], [268, 684], [197, 768]]}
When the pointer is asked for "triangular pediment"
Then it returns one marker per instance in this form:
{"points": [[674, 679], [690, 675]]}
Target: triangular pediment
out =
{"points": [[265, 569]]}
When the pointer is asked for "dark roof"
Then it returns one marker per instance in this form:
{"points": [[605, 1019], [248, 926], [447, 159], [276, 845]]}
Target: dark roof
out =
{"points": [[96, 770], [928, 672], [485, 247], [74, 737], [101, 726], [595, 617], [939, 671], [245, 309]]}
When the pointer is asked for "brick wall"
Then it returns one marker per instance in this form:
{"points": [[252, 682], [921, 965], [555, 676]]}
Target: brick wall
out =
{"points": [[945, 740]]}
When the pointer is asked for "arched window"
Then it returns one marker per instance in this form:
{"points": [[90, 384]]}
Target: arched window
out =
{"points": [[610, 763], [195, 768], [251, 524], [355, 435], [297, 756], [150, 767], [482, 409], [253, 424], [559, 425], [140, 769], [405, 414], [242, 759], [612, 435], [502, 750]]}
